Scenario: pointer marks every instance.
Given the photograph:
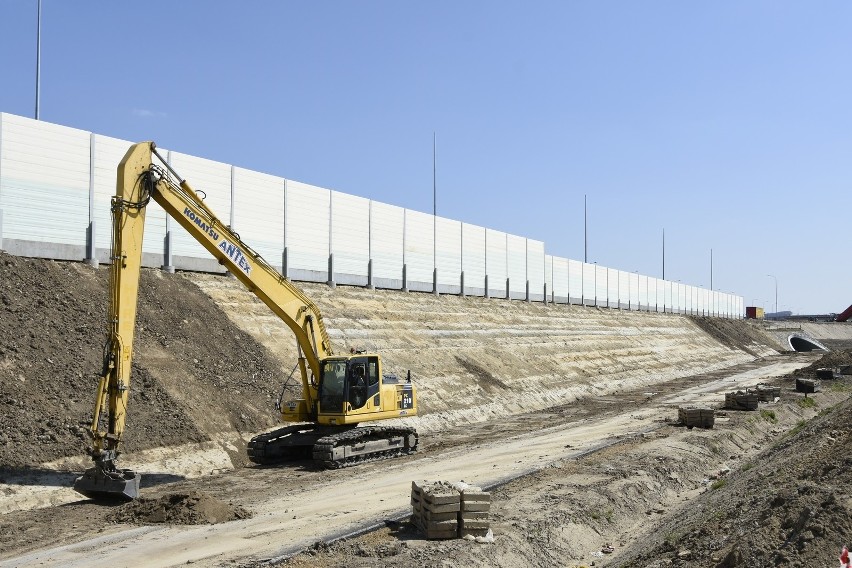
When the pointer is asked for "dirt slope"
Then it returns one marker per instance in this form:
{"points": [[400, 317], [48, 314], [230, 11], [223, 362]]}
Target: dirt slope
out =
{"points": [[475, 359], [195, 373], [790, 507], [204, 370]]}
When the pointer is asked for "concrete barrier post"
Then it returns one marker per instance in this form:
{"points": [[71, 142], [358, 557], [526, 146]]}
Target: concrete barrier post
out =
{"points": [[487, 294], [168, 265], [91, 254], [462, 283], [285, 268], [404, 277], [331, 282], [370, 285], [507, 289]]}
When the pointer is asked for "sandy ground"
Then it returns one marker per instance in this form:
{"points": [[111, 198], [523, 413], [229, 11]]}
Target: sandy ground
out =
{"points": [[295, 507], [565, 412]]}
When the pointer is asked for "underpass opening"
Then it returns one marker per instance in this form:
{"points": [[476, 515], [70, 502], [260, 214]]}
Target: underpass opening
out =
{"points": [[799, 343]]}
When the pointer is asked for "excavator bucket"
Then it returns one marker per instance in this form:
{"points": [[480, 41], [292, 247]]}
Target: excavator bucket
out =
{"points": [[100, 485]]}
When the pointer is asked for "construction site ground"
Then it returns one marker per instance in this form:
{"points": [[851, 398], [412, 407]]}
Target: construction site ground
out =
{"points": [[566, 414]]}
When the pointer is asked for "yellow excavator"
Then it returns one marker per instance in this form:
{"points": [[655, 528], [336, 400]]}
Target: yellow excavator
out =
{"points": [[338, 391]]}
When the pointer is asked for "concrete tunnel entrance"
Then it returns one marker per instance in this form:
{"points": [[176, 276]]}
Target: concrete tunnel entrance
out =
{"points": [[799, 343]]}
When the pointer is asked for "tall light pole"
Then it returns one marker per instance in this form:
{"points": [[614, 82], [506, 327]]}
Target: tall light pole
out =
{"points": [[38, 61], [434, 214], [776, 291], [585, 231]]}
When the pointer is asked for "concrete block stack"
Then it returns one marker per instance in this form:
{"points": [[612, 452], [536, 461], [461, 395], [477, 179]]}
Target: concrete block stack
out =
{"points": [[741, 400], [696, 416], [826, 373], [767, 393], [808, 385], [443, 509], [475, 506]]}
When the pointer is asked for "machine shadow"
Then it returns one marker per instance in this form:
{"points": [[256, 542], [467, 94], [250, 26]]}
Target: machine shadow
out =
{"points": [[26, 476]]}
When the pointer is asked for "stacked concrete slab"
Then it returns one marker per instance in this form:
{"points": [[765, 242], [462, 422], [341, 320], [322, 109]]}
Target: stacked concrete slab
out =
{"points": [[741, 400], [443, 509], [700, 416], [807, 385], [767, 393]]}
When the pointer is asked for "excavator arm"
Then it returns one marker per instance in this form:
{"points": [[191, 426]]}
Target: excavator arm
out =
{"points": [[139, 180], [338, 392]]}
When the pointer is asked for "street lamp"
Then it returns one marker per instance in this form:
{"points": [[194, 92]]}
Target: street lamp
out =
{"points": [[776, 292], [38, 63]]}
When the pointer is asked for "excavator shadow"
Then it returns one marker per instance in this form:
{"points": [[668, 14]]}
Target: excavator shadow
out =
{"points": [[27, 476], [36, 476], [303, 464]]}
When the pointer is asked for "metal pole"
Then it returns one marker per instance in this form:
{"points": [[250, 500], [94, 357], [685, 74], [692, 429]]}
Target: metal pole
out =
{"points": [[434, 194], [38, 63], [585, 232], [664, 254], [776, 292], [434, 215], [711, 269]]}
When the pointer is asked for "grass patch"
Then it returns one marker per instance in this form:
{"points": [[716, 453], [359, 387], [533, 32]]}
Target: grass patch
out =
{"points": [[807, 402], [718, 484], [769, 416], [839, 386], [598, 515], [797, 428], [747, 466]]}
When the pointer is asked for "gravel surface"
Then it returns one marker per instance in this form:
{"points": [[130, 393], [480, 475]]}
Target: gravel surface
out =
{"points": [[763, 488]]}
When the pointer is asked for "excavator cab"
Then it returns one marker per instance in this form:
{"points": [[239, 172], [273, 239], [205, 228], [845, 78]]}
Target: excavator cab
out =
{"points": [[349, 386]]}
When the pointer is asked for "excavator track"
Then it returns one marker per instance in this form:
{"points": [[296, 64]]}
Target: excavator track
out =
{"points": [[288, 443], [360, 445], [331, 447]]}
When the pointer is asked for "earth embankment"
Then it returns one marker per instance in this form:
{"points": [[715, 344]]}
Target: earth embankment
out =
{"points": [[210, 359]]}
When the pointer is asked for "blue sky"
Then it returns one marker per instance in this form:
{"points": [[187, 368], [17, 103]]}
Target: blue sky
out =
{"points": [[727, 124]]}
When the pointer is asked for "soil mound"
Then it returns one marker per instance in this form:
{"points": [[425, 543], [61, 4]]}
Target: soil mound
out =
{"points": [[194, 373], [735, 334], [193, 508], [831, 360]]}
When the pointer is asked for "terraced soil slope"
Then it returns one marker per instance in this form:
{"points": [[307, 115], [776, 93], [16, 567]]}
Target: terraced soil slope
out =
{"points": [[209, 371], [475, 358]]}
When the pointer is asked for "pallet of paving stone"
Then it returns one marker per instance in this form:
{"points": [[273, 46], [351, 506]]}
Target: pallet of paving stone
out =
{"points": [[807, 385], [474, 511], [845, 370], [416, 500], [826, 373], [741, 400], [696, 416], [766, 393], [435, 507]]}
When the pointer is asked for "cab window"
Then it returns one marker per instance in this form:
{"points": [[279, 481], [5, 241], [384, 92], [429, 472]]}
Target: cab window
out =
{"points": [[332, 386]]}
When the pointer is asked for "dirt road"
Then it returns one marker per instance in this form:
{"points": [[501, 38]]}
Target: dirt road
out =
{"points": [[295, 507]]}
